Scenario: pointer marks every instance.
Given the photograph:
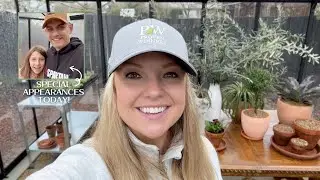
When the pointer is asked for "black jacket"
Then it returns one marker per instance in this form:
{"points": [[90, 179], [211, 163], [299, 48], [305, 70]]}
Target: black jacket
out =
{"points": [[58, 63]]}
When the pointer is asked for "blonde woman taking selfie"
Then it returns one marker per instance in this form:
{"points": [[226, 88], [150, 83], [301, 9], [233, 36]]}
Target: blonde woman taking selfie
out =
{"points": [[149, 126]]}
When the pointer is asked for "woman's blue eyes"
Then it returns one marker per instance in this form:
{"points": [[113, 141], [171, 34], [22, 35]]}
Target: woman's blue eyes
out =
{"points": [[134, 75]]}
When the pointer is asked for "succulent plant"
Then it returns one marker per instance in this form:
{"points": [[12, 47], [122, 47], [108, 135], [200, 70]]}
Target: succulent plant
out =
{"points": [[214, 127], [301, 93]]}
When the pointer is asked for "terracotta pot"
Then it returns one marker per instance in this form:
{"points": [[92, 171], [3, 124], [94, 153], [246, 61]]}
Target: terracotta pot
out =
{"points": [[60, 140], [255, 127], [51, 130], [215, 139], [59, 128], [282, 134], [298, 148], [312, 136], [288, 112]]}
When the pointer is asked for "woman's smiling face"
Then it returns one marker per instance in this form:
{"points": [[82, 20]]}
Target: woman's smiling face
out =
{"points": [[151, 94]]}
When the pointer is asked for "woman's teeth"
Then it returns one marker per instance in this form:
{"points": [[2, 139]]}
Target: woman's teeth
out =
{"points": [[152, 110]]}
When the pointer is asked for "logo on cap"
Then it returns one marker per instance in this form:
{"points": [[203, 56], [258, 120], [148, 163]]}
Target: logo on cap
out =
{"points": [[152, 35]]}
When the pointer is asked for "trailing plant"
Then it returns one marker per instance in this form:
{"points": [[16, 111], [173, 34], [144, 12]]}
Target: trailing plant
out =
{"points": [[260, 82], [214, 127], [233, 95], [301, 93]]}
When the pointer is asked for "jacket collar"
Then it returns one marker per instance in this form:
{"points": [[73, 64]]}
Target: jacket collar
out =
{"points": [[174, 151]]}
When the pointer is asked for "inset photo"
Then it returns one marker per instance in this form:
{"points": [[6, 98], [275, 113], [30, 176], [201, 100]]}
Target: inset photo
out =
{"points": [[51, 45]]}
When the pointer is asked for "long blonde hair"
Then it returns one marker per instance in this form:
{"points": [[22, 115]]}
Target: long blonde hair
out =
{"points": [[112, 142]]}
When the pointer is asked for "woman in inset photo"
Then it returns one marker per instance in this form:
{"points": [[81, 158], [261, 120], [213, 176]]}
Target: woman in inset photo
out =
{"points": [[34, 62]]}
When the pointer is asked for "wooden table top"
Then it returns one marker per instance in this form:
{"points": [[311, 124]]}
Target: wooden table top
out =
{"points": [[244, 157]]}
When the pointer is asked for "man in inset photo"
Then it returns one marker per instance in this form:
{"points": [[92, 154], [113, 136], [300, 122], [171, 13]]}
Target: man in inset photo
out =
{"points": [[66, 53]]}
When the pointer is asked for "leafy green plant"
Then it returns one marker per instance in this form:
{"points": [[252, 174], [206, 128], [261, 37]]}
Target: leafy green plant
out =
{"points": [[228, 50], [214, 127], [259, 83], [235, 94], [290, 90]]}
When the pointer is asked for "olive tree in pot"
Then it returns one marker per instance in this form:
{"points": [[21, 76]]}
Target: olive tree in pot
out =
{"points": [[255, 121], [216, 64], [295, 100]]}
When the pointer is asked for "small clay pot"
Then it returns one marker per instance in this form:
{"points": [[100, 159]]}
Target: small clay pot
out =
{"points": [[215, 139], [309, 130], [60, 140], [59, 128], [298, 145], [51, 130], [282, 134]]}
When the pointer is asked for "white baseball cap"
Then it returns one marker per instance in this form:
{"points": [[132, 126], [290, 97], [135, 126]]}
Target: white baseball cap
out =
{"points": [[148, 35]]}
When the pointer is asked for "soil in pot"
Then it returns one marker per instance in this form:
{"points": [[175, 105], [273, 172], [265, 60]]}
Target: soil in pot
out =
{"points": [[308, 130], [282, 134], [298, 145], [215, 139], [259, 114]]}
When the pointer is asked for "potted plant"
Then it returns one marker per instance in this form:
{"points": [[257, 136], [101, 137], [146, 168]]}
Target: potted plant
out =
{"points": [[226, 50], [282, 134], [295, 99], [309, 130], [214, 54], [214, 132], [236, 97], [255, 121], [298, 145]]}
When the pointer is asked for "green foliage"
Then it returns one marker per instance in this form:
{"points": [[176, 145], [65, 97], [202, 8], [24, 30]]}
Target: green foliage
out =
{"points": [[229, 51], [214, 127], [233, 95], [290, 90], [201, 92], [259, 83]]}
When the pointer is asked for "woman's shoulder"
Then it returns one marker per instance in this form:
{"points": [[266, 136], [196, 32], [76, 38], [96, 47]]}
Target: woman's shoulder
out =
{"points": [[77, 162]]}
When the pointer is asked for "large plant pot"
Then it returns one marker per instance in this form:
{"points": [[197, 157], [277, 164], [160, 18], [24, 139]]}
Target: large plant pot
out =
{"points": [[289, 112], [216, 101], [255, 127], [215, 139]]}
